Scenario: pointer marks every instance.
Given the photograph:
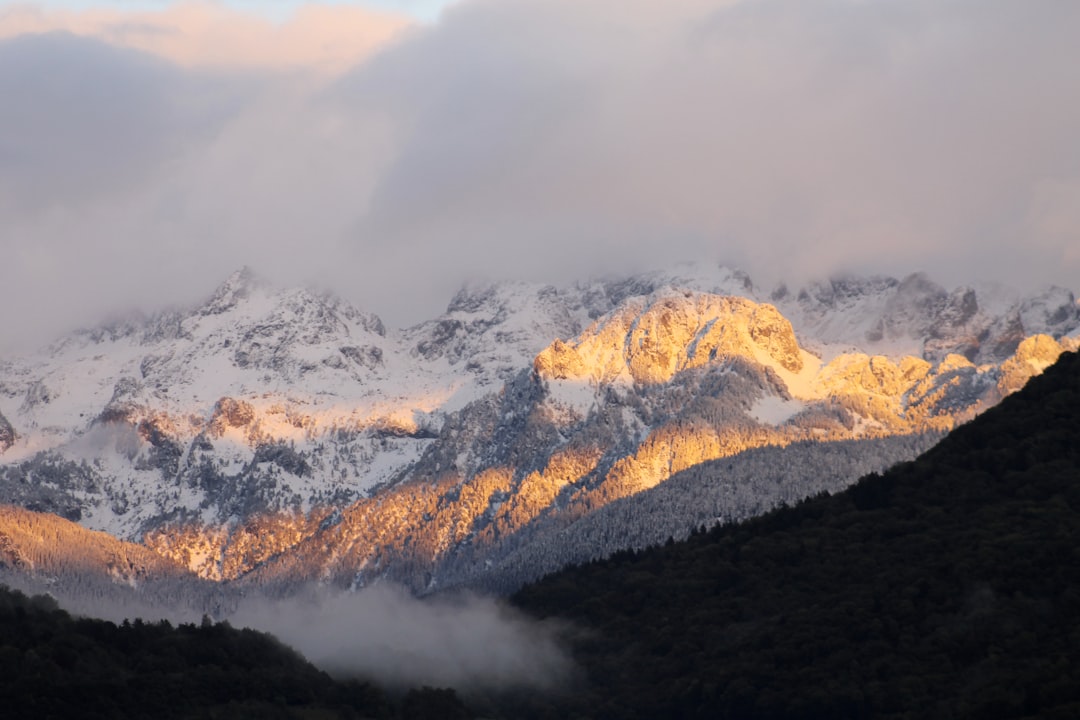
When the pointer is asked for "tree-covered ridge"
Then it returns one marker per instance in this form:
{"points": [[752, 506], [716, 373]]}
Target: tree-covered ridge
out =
{"points": [[946, 587], [53, 665], [43, 542]]}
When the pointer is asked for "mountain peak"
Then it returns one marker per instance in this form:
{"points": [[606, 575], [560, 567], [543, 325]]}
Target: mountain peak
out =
{"points": [[285, 402], [238, 286], [671, 330]]}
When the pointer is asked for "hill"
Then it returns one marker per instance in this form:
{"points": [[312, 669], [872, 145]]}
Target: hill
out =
{"points": [[53, 665], [945, 587]]}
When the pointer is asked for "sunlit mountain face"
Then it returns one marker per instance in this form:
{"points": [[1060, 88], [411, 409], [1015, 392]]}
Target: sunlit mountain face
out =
{"points": [[281, 437]]}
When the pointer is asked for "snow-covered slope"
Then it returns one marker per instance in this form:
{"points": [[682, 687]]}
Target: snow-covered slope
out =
{"points": [[296, 396], [916, 316], [281, 435]]}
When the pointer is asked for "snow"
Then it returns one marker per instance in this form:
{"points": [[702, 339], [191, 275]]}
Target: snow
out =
{"points": [[183, 377], [803, 384], [996, 298], [575, 396], [775, 410], [310, 395]]}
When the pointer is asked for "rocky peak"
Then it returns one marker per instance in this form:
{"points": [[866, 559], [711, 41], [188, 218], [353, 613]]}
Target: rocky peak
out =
{"points": [[649, 340], [236, 288], [472, 298], [608, 293], [494, 330], [1033, 355], [1054, 311], [960, 308], [912, 310], [842, 290], [293, 399]]}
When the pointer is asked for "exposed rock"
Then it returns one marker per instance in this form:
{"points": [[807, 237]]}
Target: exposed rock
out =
{"points": [[38, 394], [1032, 356], [230, 413], [235, 289], [368, 356], [915, 307], [773, 333], [559, 361], [650, 340], [7, 434]]}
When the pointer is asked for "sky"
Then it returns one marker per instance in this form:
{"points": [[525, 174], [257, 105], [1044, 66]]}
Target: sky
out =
{"points": [[394, 150], [274, 10]]}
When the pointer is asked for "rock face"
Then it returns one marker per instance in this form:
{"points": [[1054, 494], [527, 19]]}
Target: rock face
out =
{"points": [[277, 437], [1033, 355], [649, 340], [7, 434], [916, 316]]}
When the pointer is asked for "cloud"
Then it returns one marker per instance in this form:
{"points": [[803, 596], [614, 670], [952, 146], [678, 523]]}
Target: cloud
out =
{"points": [[383, 633], [794, 137], [380, 633], [537, 139], [129, 181], [85, 119], [327, 38]]}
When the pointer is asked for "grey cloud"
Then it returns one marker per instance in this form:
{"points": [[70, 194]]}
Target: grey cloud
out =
{"points": [[82, 119], [550, 139], [797, 136], [130, 182]]}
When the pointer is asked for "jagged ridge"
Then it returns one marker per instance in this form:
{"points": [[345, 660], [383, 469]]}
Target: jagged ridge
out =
{"points": [[237, 436]]}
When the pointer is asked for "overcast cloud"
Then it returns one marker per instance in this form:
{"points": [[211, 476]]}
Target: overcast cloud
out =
{"points": [[536, 139]]}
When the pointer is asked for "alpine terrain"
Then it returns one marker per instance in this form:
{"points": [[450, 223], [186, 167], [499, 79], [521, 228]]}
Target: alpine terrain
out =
{"points": [[274, 438]]}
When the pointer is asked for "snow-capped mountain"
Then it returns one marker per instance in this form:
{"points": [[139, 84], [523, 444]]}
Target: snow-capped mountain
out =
{"points": [[916, 316], [275, 436], [234, 388]]}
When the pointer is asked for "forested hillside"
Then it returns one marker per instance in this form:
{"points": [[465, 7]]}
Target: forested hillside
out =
{"points": [[55, 666], [946, 587]]}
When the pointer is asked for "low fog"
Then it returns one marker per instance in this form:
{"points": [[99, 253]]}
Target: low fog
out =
{"points": [[383, 633], [543, 140], [379, 633]]}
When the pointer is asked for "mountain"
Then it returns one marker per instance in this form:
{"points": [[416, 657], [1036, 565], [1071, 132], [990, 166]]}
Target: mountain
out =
{"points": [[945, 587], [277, 437], [916, 316]]}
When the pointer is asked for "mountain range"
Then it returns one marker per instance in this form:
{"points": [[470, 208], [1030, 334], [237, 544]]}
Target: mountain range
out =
{"points": [[274, 438]]}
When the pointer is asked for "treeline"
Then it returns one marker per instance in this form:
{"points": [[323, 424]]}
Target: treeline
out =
{"points": [[53, 665], [946, 587]]}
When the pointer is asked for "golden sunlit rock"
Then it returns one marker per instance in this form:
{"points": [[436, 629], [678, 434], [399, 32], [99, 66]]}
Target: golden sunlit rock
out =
{"points": [[1032, 356], [649, 342]]}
